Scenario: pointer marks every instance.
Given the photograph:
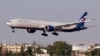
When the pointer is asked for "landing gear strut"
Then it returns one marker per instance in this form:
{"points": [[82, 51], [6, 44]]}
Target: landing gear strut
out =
{"points": [[13, 30], [44, 33]]}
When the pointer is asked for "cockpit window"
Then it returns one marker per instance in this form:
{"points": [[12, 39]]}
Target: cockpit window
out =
{"points": [[9, 21]]}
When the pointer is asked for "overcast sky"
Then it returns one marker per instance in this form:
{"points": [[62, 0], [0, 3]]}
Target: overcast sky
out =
{"points": [[50, 10]]}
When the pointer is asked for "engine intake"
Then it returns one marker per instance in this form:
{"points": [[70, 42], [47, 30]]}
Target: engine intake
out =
{"points": [[50, 28], [31, 30]]}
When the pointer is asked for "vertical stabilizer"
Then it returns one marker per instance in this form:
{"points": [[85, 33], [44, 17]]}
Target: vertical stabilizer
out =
{"points": [[82, 20], [83, 17]]}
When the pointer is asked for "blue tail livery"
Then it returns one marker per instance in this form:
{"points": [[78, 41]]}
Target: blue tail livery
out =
{"points": [[83, 17]]}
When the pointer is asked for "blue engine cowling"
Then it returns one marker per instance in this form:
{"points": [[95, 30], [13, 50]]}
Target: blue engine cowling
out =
{"points": [[31, 30], [50, 28]]}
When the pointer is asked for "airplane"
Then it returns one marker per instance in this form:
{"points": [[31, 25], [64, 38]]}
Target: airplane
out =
{"points": [[32, 25]]}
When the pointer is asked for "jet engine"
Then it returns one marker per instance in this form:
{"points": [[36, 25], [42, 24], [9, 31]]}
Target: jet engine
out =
{"points": [[50, 28], [53, 28], [31, 30]]}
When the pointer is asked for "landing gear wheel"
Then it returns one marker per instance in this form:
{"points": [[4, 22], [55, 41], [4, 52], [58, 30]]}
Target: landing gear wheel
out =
{"points": [[13, 30], [54, 33], [44, 34]]}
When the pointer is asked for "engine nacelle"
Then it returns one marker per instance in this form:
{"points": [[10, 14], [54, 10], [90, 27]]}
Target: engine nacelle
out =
{"points": [[31, 30], [50, 28]]}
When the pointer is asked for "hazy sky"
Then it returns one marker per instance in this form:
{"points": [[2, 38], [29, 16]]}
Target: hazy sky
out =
{"points": [[50, 10]]}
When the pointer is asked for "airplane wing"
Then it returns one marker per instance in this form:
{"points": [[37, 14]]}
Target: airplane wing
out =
{"points": [[72, 23], [61, 25]]}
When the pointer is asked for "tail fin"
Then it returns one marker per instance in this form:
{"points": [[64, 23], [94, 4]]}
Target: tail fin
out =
{"points": [[82, 20], [83, 17]]}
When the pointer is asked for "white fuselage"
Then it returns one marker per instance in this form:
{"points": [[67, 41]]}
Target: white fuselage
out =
{"points": [[23, 23]]}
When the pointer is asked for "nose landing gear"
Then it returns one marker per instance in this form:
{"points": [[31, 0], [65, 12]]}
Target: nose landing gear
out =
{"points": [[13, 30]]}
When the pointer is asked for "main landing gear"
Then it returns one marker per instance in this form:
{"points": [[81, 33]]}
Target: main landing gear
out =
{"points": [[55, 33], [44, 33]]}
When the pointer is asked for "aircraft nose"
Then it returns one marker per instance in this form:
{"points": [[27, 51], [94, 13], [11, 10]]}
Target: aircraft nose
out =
{"points": [[8, 23]]}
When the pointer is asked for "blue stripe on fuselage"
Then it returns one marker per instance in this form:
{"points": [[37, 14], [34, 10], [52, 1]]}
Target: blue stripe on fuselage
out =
{"points": [[75, 29]]}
